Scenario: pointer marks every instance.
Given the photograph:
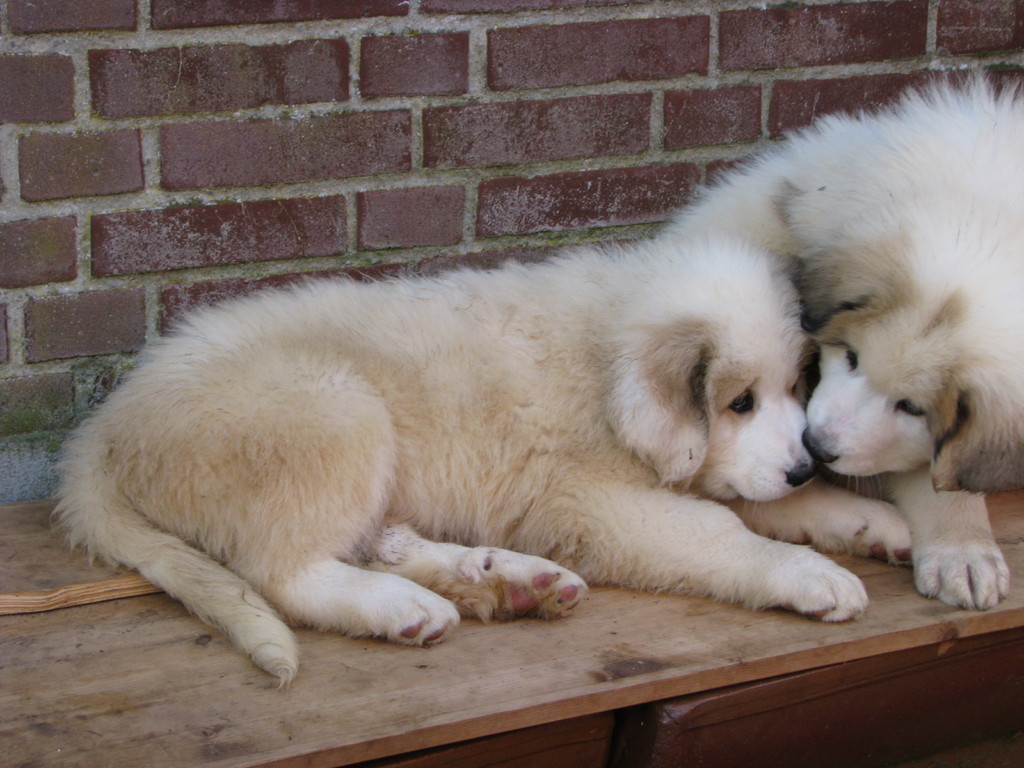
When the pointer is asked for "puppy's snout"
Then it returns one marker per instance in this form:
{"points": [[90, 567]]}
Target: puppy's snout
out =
{"points": [[801, 473], [814, 448]]}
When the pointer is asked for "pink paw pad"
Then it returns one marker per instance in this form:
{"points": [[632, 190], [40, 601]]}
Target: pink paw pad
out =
{"points": [[544, 580], [568, 596], [522, 601], [411, 631]]}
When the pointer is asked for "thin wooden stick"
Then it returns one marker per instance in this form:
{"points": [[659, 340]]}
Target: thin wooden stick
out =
{"points": [[130, 585]]}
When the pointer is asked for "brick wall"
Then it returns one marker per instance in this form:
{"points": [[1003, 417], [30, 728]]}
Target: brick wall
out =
{"points": [[158, 154]]}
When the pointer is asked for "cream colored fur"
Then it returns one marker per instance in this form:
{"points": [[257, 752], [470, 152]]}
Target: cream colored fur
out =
{"points": [[905, 232], [351, 456]]}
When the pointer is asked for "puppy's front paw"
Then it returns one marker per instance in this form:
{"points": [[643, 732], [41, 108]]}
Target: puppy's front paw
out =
{"points": [[882, 532], [518, 585], [817, 587], [970, 574]]}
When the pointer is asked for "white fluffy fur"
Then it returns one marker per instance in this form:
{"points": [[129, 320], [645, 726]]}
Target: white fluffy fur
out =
{"points": [[351, 454], [905, 231]]}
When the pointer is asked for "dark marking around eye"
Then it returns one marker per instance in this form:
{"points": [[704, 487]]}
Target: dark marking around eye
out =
{"points": [[851, 359], [908, 408]]}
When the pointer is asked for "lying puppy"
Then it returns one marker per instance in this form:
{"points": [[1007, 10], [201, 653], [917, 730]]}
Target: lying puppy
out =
{"points": [[351, 454], [904, 230]]}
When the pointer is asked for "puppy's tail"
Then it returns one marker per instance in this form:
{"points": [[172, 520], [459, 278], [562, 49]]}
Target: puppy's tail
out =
{"points": [[95, 517]]}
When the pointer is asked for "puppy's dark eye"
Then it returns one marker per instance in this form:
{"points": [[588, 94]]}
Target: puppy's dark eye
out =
{"points": [[909, 408], [851, 359], [743, 403]]}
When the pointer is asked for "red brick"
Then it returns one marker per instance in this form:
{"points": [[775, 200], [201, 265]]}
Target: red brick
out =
{"points": [[204, 235], [178, 300], [515, 205], [596, 52], [390, 218], [172, 14], [484, 259], [95, 323], [529, 131], [406, 65], [36, 89], [37, 251], [36, 403], [718, 116], [974, 26], [273, 151], [30, 16], [208, 78], [70, 165], [797, 103], [822, 34], [486, 6]]}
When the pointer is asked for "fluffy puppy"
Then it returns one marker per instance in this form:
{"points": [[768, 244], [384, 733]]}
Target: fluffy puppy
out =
{"points": [[350, 455], [904, 231]]}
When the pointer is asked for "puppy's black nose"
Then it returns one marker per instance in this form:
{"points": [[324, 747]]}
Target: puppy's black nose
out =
{"points": [[801, 473], [819, 453]]}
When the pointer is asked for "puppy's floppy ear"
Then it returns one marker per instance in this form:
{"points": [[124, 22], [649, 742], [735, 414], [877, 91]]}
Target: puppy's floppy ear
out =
{"points": [[969, 457], [658, 398]]}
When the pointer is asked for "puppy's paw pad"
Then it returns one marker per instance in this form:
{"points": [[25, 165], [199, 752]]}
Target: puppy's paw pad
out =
{"points": [[523, 584]]}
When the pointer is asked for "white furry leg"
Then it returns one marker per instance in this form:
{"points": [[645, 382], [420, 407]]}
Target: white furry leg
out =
{"points": [[656, 539], [331, 595], [956, 557], [832, 519], [485, 582]]}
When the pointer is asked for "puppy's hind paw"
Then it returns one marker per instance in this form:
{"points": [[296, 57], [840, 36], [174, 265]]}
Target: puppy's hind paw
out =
{"points": [[515, 585]]}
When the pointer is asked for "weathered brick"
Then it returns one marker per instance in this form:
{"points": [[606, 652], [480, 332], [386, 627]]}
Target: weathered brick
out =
{"points": [[406, 65], [797, 103], [69, 165], [220, 154], [32, 16], [822, 34], [94, 323], [208, 78], [596, 52], [171, 14], [484, 259], [486, 6], [177, 300], [718, 116], [37, 251], [515, 205], [36, 403], [973, 26], [36, 89], [391, 218], [228, 233], [528, 131], [5, 352]]}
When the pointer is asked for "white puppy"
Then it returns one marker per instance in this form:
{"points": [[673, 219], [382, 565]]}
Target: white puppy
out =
{"points": [[904, 231], [351, 454]]}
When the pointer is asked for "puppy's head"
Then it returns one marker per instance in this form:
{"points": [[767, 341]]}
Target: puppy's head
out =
{"points": [[705, 383], [914, 369]]}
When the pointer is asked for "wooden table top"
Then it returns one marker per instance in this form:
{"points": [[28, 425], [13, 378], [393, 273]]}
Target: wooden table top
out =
{"points": [[139, 682]]}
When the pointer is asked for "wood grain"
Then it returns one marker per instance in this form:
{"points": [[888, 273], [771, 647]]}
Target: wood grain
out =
{"points": [[140, 682]]}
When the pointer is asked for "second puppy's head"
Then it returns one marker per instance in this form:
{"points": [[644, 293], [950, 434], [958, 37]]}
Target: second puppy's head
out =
{"points": [[706, 383]]}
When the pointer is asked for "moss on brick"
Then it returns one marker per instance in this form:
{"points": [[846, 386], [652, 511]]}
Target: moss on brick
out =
{"points": [[36, 404]]}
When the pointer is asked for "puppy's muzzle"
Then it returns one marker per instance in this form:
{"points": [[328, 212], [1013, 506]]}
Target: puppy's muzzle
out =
{"points": [[801, 473], [813, 447]]}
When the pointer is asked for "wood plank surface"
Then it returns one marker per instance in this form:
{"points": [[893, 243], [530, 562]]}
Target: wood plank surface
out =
{"points": [[139, 682]]}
